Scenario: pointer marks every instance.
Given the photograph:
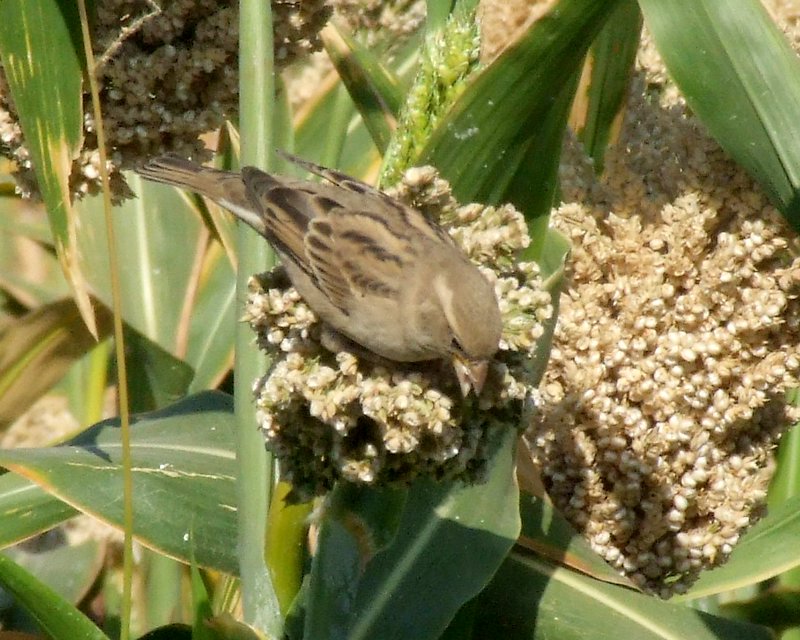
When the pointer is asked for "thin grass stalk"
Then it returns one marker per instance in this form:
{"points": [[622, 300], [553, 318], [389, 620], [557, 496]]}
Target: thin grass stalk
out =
{"points": [[119, 342]]}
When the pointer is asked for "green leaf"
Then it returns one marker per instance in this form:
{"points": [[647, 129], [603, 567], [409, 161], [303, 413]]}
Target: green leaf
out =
{"points": [[538, 165], [285, 544], [423, 555], [552, 261], [42, 57], [69, 569], [547, 533], [374, 90], [329, 129], [201, 607], [178, 290], [11, 223], [38, 349], [56, 617], [163, 596], [184, 465], [26, 509], [260, 119], [741, 77], [213, 323], [491, 133], [85, 387], [778, 610], [604, 86], [158, 241], [34, 241], [530, 598], [784, 484], [437, 13], [156, 377], [330, 122]]}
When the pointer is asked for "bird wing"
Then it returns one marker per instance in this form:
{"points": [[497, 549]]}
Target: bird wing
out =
{"points": [[335, 177], [309, 225], [325, 263], [399, 217], [351, 240], [370, 256], [286, 210]]}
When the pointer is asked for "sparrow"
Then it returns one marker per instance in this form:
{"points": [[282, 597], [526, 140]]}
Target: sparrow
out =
{"points": [[379, 274]]}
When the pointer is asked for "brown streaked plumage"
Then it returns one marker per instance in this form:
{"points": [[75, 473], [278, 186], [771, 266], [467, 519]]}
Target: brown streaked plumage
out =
{"points": [[375, 270]]}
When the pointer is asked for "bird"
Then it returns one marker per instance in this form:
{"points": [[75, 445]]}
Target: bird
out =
{"points": [[379, 274]]}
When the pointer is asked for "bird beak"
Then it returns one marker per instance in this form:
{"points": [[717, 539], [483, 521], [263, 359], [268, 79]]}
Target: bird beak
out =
{"points": [[471, 375]]}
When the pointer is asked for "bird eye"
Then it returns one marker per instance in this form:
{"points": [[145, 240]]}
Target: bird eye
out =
{"points": [[455, 345]]}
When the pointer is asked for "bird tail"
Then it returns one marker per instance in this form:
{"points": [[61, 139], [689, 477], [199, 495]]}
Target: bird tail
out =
{"points": [[223, 187], [186, 174]]}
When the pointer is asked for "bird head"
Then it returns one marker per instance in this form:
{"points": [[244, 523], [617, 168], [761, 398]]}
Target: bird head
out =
{"points": [[473, 319]]}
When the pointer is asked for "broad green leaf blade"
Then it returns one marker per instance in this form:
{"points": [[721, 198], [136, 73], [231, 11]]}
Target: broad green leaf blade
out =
{"points": [[360, 522], [552, 260], [162, 595], [329, 129], [28, 294], [85, 386], [157, 378], [785, 484], [768, 549], [41, 51], [446, 545], [741, 77], [201, 606], [491, 128], [530, 598], [57, 617], [322, 129], [38, 349], [374, 90], [26, 509], [451, 560], [776, 609], [69, 569], [183, 462], [320, 118], [158, 241], [213, 322], [437, 12], [597, 113], [533, 187], [183, 300], [547, 533], [285, 544]]}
